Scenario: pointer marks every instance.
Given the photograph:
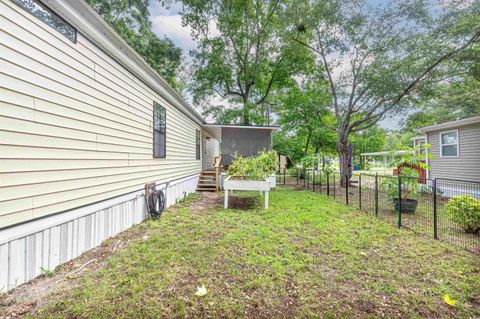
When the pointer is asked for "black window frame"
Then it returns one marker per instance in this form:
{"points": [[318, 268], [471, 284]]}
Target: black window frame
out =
{"points": [[54, 21], [162, 129], [198, 140]]}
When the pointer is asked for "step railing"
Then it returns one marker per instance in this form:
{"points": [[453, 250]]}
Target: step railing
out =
{"points": [[217, 165]]}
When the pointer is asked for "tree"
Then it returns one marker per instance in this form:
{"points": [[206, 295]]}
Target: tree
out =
{"points": [[370, 140], [459, 97], [243, 51], [130, 19], [290, 145], [303, 107], [376, 58]]}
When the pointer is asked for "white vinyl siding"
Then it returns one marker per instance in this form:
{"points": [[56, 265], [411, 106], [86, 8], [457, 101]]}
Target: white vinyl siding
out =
{"points": [[212, 150], [75, 126]]}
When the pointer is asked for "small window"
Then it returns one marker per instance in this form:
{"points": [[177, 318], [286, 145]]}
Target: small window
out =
{"points": [[197, 139], [420, 144], [43, 13], [449, 144], [159, 130]]}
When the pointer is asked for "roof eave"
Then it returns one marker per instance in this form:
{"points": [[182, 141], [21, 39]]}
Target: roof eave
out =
{"points": [[94, 28], [448, 125]]}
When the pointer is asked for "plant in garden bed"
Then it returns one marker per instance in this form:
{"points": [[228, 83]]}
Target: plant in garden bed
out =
{"points": [[465, 212], [410, 186], [260, 167]]}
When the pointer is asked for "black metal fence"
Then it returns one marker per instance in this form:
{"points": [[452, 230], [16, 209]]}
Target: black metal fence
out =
{"points": [[400, 201]]}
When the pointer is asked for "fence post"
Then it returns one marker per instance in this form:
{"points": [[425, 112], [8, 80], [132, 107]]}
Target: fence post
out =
{"points": [[360, 191], [313, 180], [328, 183], [399, 202], [435, 216], [307, 176], [284, 175], [347, 181], [334, 186], [320, 173], [376, 194], [304, 178]]}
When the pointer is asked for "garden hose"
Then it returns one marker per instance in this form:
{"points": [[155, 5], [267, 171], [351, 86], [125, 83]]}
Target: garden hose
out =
{"points": [[156, 204]]}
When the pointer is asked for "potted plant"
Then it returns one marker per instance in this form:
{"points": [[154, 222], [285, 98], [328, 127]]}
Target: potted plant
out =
{"points": [[411, 160]]}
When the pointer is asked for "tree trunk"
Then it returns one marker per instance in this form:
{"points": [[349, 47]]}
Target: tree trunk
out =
{"points": [[344, 157], [307, 143], [246, 111]]}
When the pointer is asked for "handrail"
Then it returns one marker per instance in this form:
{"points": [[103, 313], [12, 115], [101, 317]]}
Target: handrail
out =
{"points": [[218, 160]]}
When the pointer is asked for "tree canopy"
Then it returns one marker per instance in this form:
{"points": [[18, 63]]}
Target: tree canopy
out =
{"points": [[130, 19], [244, 53], [303, 109]]}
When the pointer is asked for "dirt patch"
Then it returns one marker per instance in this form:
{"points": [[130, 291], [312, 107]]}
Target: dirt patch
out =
{"points": [[215, 201], [243, 202], [207, 200]]}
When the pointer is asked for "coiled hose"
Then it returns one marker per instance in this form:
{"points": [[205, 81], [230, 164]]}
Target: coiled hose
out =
{"points": [[156, 204]]}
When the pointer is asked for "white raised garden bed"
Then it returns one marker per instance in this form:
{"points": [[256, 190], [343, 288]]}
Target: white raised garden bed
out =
{"points": [[235, 184]]}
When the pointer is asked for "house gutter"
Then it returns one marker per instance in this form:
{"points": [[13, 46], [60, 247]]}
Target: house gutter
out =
{"points": [[448, 125]]}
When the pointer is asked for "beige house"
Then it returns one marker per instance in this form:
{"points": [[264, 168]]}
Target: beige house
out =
{"points": [[85, 123], [455, 147]]}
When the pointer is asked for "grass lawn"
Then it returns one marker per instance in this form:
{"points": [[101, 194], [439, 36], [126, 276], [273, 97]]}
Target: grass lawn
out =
{"points": [[306, 256]]}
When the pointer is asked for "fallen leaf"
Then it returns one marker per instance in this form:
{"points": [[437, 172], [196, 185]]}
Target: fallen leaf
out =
{"points": [[449, 301], [201, 291]]}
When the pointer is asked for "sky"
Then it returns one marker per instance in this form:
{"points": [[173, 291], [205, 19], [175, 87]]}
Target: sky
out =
{"points": [[168, 22]]}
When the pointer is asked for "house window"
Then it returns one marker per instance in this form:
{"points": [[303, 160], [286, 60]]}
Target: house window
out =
{"points": [[449, 144], [197, 139], [159, 130], [43, 13], [419, 144]]}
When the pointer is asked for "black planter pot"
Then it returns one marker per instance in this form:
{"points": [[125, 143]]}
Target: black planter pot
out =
{"points": [[409, 206]]}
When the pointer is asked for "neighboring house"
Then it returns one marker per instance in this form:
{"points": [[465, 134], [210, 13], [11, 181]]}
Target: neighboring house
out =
{"points": [[85, 123], [455, 147]]}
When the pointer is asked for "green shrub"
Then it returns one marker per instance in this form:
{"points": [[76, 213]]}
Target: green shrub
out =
{"points": [[465, 212], [259, 167]]}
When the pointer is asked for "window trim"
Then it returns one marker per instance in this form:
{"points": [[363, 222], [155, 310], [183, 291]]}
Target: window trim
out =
{"points": [[155, 105], [47, 8], [198, 141], [442, 145]]}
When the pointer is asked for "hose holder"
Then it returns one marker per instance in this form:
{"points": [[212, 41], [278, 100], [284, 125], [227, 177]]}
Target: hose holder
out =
{"points": [[155, 200]]}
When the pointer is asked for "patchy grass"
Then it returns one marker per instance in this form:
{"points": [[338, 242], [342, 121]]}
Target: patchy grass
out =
{"points": [[306, 256]]}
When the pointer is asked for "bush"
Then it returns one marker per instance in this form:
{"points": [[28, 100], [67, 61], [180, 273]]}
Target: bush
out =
{"points": [[259, 167], [465, 212]]}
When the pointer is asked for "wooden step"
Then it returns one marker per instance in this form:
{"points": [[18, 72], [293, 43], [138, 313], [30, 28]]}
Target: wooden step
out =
{"points": [[203, 189], [207, 183]]}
